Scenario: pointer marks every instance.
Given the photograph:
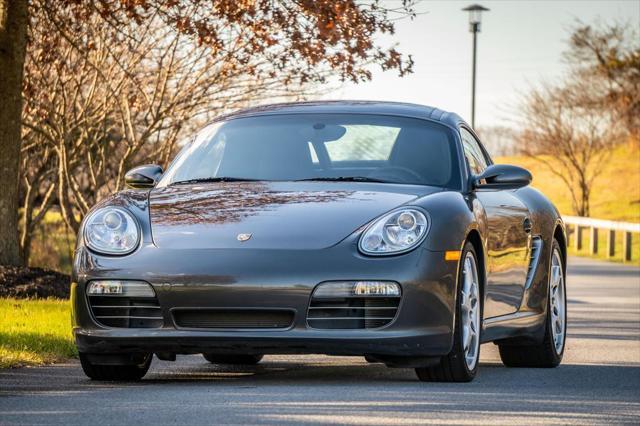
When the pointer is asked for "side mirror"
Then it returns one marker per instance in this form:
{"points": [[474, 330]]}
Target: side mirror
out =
{"points": [[143, 176], [503, 176]]}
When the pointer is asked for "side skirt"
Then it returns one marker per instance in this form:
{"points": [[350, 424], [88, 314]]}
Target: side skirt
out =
{"points": [[519, 327]]}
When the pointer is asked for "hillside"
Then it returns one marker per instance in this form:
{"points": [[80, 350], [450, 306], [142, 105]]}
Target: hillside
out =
{"points": [[616, 193]]}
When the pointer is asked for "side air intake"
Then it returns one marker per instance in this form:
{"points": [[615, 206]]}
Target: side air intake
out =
{"points": [[534, 259]]}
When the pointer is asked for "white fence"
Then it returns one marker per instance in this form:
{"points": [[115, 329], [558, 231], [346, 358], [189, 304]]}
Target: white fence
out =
{"points": [[576, 225]]}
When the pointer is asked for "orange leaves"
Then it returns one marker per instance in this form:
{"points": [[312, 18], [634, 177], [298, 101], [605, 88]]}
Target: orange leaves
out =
{"points": [[310, 37]]}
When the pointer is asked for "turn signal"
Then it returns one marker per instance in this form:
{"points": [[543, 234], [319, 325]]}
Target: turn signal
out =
{"points": [[452, 255]]}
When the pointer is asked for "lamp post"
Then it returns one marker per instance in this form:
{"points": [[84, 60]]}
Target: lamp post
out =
{"points": [[475, 14]]}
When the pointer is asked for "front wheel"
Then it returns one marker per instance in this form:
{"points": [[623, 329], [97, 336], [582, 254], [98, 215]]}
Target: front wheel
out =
{"points": [[108, 372], [461, 364], [549, 353], [232, 359]]}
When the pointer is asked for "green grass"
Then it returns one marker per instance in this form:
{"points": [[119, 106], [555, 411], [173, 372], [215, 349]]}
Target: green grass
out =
{"points": [[53, 244], [602, 247], [34, 332]]}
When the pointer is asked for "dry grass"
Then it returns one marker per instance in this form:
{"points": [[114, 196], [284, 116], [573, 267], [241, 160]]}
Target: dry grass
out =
{"points": [[616, 195]]}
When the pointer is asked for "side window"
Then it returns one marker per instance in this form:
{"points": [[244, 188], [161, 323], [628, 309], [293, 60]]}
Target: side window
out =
{"points": [[473, 153]]}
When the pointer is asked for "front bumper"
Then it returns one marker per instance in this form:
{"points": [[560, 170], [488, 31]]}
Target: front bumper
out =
{"points": [[270, 279]]}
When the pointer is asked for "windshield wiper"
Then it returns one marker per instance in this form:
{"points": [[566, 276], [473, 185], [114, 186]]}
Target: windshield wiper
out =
{"points": [[344, 179], [214, 179]]}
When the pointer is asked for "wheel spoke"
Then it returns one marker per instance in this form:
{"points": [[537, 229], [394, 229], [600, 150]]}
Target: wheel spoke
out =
{"points": [[556, 275], [557, 300], [469, 311], [466, 338]]}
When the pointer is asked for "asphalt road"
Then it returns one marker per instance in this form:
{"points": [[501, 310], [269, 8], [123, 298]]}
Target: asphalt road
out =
{"points": [[598, 382]]}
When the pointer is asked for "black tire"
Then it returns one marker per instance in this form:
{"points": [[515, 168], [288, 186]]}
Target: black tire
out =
{"points": [[543, 355], [115, 372], [233, 359], [453, 367]]}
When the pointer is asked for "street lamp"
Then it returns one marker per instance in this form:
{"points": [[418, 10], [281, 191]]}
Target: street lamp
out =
{"points": [[475, 15]]}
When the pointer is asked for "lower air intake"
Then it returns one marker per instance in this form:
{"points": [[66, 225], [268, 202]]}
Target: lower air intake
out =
{"points": [[352, 312], [126, 312], [233, 319]]}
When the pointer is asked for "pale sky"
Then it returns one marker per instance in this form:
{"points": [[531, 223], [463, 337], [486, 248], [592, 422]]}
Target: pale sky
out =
{"points": [[520, 44]]}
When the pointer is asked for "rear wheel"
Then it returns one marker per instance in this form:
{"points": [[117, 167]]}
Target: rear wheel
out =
{"points": [[461, 364], [108, 372], [233, 359], [549, 353]]}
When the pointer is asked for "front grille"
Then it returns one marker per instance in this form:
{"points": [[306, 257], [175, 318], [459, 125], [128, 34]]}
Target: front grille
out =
{"points": [[126, 312], [534, 259], [353, 312], [233, 318]]}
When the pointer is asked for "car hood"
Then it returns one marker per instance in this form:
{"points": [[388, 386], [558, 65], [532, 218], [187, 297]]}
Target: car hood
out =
{"points": [[274, 215]]}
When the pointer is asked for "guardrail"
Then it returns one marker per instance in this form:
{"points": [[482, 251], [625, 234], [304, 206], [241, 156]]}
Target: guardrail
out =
{"points": [[576, 225]]}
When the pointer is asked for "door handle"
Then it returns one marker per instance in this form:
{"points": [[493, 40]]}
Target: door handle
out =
{"points": [[527, 225]]}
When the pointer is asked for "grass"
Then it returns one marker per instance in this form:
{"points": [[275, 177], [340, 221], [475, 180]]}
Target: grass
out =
{"points": [[53, 244], [615, 196], [34, 332], [602, 247]]}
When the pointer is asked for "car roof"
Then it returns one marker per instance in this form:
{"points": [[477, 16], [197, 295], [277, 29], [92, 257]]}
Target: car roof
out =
{"points": [[351, 107]]}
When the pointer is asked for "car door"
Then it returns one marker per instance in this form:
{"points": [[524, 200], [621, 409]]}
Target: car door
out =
{"points": [[507, 236]]}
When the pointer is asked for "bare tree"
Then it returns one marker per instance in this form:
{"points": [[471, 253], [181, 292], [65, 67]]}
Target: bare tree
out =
{"points": [[294, 41], [573, 141], [499, 140], [109, 99], [605, 59], [572, 126]]}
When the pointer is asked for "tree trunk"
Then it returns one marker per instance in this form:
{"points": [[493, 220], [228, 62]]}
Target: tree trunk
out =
{"points": [[13, 44]]}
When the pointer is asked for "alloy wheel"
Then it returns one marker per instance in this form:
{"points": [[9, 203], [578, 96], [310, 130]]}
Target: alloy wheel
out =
{"points": [[470, 311], [557, 301]]}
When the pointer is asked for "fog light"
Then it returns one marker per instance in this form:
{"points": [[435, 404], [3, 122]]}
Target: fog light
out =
{"points": [[357, 288], [120, 288], [376, 288]]}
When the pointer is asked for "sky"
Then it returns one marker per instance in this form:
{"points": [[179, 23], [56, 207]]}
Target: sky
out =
{"points": [[520, 45]]}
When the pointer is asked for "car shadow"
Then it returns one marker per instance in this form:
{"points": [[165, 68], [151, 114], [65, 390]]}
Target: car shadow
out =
{"points": [[286, 373]]}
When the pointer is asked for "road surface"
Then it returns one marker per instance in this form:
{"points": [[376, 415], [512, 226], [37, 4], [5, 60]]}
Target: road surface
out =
{"points": [[598, 382]]}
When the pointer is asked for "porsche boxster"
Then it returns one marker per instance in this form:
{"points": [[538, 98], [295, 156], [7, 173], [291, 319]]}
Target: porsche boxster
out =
{"points": [[371, 229]]}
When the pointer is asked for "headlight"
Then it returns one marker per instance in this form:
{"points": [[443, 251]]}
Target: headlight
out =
{"points": [[396, 232], [111, 230]]}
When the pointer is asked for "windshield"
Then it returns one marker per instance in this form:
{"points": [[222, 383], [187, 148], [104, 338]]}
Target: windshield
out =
{"points": [[340, 147]]}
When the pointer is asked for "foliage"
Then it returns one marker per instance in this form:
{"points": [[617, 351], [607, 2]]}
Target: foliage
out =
{"points": [[112, 84], [572, 127], [298, 37], [608, 59], [34, 332], [573, 141]]}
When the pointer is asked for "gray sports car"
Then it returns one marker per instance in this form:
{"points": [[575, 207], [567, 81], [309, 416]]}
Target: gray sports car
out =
{"points": [[371, 229]]}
